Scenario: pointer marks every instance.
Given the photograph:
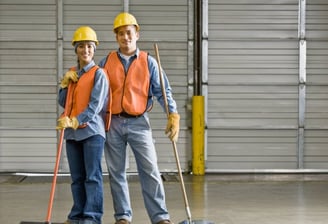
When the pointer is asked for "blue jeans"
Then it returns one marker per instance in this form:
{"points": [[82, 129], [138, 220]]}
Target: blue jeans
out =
{"points": [[137, 133], [84, 159]]}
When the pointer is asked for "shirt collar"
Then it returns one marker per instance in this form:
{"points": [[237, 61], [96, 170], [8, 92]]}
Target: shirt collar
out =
{"points": [[87, 67], [136, 54]]}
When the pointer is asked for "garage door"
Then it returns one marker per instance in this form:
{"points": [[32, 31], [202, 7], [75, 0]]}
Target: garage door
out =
{"points": [[253, 85]]}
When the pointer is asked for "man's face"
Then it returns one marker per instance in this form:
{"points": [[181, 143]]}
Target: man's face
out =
{"points": [[127, 37]]}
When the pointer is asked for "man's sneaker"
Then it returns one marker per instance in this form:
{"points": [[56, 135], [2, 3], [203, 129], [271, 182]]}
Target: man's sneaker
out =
{"points": [[165, 222], [122, 221]]}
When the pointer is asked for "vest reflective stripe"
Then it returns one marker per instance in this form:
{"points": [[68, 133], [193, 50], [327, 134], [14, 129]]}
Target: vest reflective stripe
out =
{"points": [[130, 90]]}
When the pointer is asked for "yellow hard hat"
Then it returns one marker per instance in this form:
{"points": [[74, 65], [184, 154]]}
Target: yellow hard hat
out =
{"points": [[124, 19], [84, 33]]}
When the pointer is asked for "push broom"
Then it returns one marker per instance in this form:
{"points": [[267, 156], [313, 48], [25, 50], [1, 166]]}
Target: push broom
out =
{"points": [[176, 155], [54, 180], [53, 186]]}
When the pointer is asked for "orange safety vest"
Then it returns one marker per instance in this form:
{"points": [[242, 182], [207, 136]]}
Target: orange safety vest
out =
{"points": [[129, 90], [79, 93]]}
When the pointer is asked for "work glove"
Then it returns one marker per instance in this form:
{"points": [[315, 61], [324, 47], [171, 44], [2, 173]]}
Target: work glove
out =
{"points": [[66, 122], [69, 76], [172, 127]]}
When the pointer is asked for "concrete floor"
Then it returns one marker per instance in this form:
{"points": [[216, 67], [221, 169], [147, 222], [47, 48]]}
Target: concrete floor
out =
{"points": [[222, 199]]}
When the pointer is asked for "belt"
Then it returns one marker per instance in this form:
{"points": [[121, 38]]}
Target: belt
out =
{"points": [[126, 115]]}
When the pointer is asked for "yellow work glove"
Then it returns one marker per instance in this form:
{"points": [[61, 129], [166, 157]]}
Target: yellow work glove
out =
{"points": [[172, 127], [69, 76], [66, 122]]}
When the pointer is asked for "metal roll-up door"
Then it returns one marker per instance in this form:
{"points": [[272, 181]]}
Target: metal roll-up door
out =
{"points": [[28, 86], [316, 116], [99, 15], [253, 82], [166, 23], [161, 22]]}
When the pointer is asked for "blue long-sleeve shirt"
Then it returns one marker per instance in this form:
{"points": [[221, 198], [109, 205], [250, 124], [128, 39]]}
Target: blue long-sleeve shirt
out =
{"points": [[155, 85], [93, 115]]}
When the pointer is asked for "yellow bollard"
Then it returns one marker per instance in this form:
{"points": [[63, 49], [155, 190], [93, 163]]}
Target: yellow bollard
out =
{"points": [[198, 126]]}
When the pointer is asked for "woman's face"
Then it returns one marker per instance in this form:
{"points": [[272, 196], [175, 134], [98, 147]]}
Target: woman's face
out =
{"points": [[85, 51]]}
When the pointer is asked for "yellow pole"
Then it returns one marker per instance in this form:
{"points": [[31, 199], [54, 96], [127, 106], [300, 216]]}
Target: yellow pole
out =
{"points": [[198, 126]]}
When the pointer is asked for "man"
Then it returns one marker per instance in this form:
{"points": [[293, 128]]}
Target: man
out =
{"points": [[134, 80]]}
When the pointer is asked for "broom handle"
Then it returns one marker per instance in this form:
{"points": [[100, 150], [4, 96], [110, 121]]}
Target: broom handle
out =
{"points": [[176, 155], [54, 180], [59, 150]]}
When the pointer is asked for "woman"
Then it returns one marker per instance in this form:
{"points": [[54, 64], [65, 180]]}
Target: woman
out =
{"points": [[86, 89]]}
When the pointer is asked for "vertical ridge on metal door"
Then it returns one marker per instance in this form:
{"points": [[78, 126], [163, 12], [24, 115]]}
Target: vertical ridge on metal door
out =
{"points": [[302, 82]]}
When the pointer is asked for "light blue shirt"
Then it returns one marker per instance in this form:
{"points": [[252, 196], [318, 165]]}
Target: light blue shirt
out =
{"points": [[94, 114], [155, 84]]}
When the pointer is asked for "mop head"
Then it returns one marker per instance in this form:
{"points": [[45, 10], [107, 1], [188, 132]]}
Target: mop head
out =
{"points": [[27, 222]]}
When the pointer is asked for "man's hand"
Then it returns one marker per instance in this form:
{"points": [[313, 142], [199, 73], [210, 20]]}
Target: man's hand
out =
{"points": [[69, 76], [66, 122], [173, 126]]}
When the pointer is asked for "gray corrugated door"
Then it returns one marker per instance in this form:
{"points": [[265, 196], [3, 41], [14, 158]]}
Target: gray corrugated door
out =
{"points": [[98, 15], [252, 85], [166, 23], [161, 22], [35, 48], [28, 85], [316, 116]]}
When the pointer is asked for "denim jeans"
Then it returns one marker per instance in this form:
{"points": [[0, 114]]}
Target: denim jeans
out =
{"points": [[137, 133], [84, 159]]}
